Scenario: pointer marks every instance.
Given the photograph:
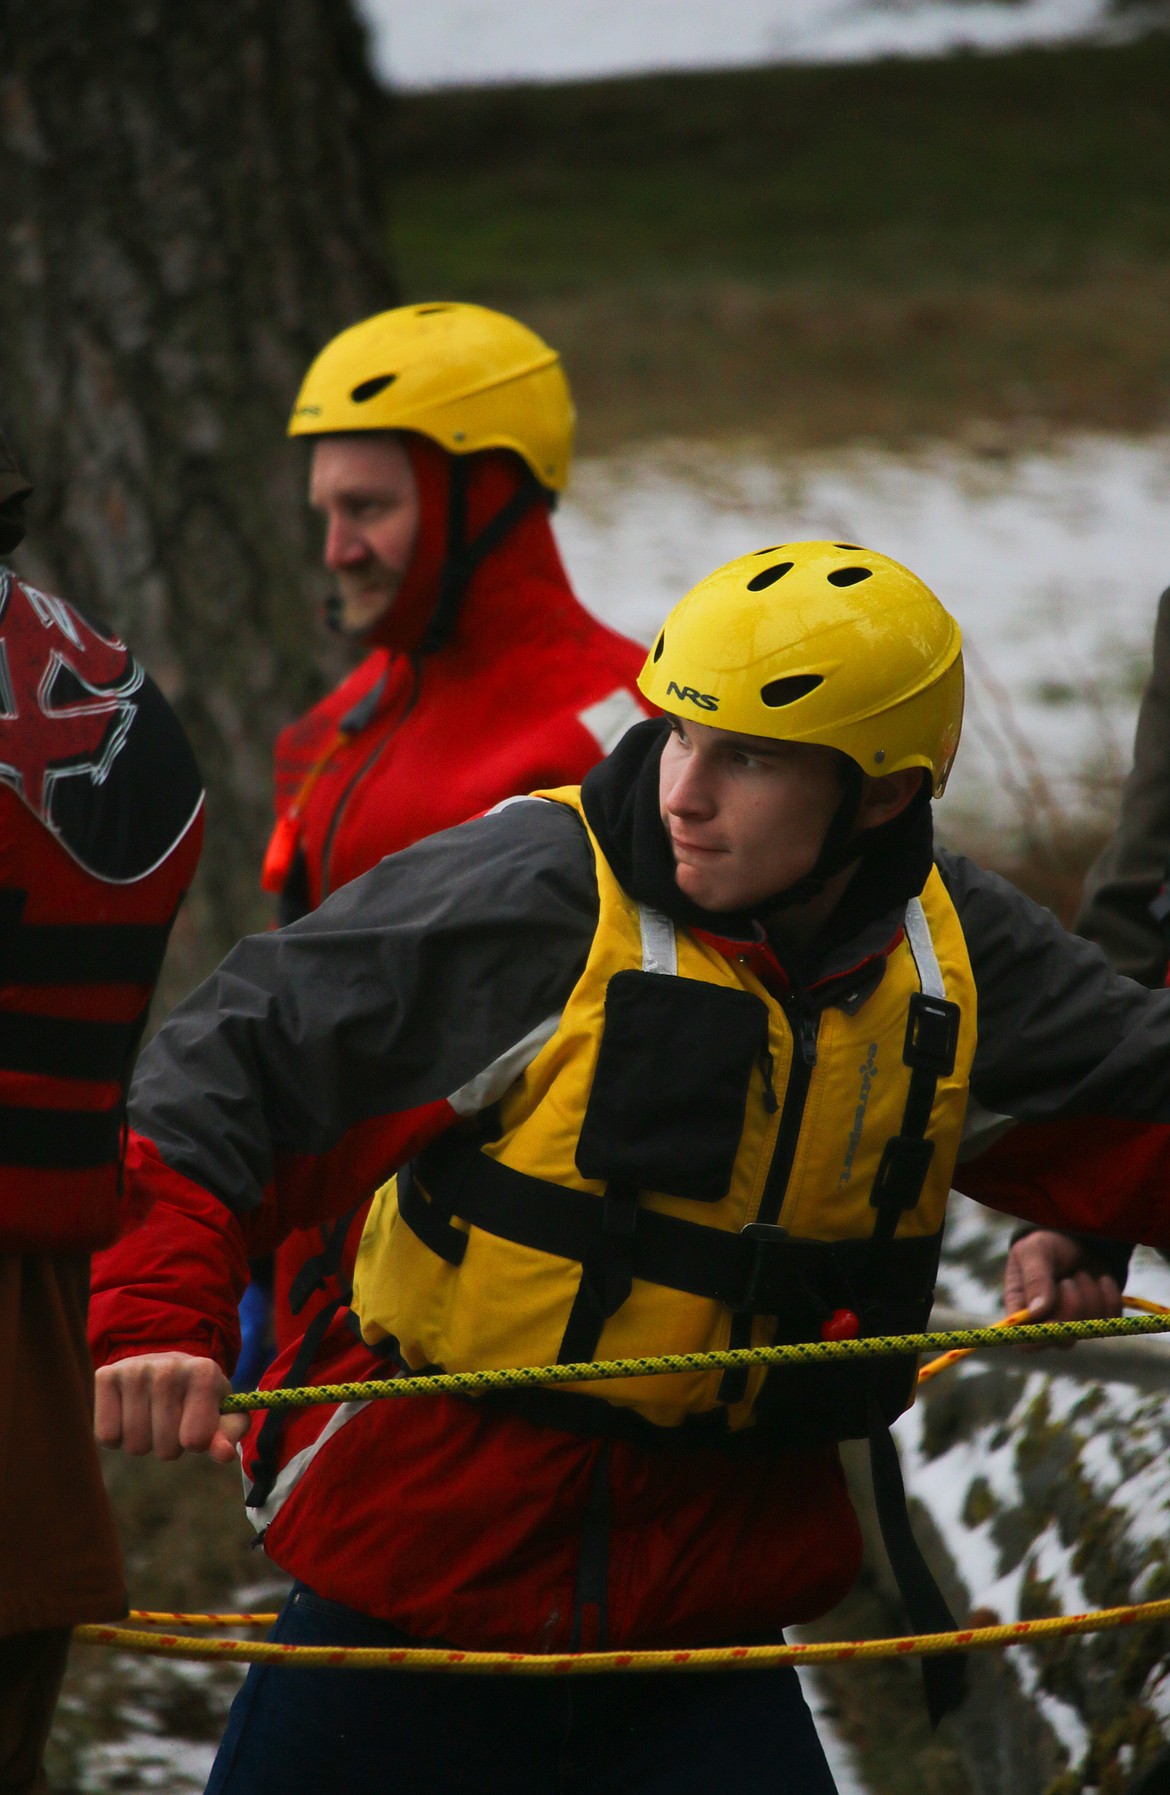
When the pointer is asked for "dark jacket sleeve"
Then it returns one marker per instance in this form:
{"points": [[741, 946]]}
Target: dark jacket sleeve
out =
{"points": [[317, 1058], [1069, 1116], [396, 993], [1130, 871]]}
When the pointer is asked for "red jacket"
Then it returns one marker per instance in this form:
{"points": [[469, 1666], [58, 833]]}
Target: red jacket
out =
{"points": [[528, 691]]}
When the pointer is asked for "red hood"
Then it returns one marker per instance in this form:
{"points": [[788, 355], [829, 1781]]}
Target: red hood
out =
{"points": [[529, 548]]}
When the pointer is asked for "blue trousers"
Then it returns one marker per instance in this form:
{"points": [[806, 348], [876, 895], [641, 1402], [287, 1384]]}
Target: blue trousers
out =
{"points": [[376, 1732]]}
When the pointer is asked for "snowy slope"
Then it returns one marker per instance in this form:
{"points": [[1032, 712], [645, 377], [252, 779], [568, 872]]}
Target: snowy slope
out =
{"points": [[473, 42], [1052, 562]]}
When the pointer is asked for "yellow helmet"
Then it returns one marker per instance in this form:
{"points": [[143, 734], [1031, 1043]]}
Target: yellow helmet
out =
{"points": [[817, 642], [467, 377]]}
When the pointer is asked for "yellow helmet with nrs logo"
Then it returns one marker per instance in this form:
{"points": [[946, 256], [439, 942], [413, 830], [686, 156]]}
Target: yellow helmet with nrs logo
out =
{"points": [[817, 642], [467, 377]]}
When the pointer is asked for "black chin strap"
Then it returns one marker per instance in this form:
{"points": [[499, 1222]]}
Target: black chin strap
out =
{"points": [[839, 848], [463, 557]]}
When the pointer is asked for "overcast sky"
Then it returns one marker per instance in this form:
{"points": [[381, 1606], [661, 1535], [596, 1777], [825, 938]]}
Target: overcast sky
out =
{"points": [[441, 43]]}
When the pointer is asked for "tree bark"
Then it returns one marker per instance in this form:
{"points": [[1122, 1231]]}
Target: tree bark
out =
{"points": [[190, 207]]}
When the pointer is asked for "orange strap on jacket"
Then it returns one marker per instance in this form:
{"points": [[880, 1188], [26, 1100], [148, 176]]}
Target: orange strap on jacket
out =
{"points": [[286, 836]]}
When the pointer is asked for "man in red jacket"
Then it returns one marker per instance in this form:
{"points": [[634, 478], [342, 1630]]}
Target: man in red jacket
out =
{"points": [[441, 437], [100, 826]]}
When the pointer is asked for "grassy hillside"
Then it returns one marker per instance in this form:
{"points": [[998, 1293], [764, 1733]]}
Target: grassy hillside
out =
{"points": [[818, 253]]}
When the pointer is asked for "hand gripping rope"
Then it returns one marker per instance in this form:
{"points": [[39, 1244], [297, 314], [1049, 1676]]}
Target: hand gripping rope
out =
{"points": [[953, 1344]]}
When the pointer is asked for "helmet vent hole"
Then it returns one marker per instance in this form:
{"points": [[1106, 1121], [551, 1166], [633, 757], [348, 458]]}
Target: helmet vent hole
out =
{"points": [[428, 311], [774, 550], [850, 576], [369, 389], [854, 548], [769, 576], [659, 646], [787, 691]]}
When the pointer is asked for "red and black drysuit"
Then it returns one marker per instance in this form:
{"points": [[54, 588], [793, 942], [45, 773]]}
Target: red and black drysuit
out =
{"points": [[100, 828], [487, 678], [320, 1057]]}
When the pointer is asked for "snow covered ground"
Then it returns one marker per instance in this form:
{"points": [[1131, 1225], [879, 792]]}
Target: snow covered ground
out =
{"points": [[843, 1764], [450, 43], [1052, 1495], [1052, 561], [1059, 1502]]}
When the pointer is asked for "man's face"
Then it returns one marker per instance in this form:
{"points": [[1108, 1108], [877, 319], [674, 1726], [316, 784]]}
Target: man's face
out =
{"points": [[364, 487], [746, 816]]}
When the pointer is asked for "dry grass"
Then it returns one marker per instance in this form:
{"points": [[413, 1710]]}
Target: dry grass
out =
{"points": [[814, 365], [820, 254]]}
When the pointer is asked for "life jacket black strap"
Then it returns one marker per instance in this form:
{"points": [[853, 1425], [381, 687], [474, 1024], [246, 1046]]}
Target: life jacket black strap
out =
{"points": [[464, 557], [264, 1465], [944, 1677], [932, 1035], [607, 1275], [932, 1038], [316, 1272], [590, 1598], [733, 1384], [571, 1224], [429, 1216], [761, 1270]]}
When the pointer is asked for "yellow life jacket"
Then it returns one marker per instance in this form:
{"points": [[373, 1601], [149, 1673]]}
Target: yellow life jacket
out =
{"points": [[690, 1162]]}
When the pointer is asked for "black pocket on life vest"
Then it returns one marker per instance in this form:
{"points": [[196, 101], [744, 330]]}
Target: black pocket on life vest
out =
{"points": [[666, 1109]]}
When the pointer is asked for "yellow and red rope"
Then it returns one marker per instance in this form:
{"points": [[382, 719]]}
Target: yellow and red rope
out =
{"points": [[956, 1343]]}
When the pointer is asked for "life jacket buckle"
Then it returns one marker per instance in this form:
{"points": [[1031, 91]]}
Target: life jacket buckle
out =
{"points": [[932, 1035], [901, 1174], [764, 1238]]}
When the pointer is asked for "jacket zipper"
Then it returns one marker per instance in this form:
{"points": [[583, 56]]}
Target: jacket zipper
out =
{"points": [[335, 819], [804, 1058]]}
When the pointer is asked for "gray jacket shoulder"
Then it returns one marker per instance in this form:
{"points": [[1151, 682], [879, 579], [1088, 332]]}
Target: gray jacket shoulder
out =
{"points": [[1059, 1031], [400, 990]]}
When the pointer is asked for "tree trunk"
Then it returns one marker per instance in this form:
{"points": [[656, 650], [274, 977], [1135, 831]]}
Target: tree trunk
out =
{"points": [[190, 207]]}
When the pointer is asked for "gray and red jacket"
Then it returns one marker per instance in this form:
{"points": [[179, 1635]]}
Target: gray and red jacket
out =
{"points": [[318, 1059]]}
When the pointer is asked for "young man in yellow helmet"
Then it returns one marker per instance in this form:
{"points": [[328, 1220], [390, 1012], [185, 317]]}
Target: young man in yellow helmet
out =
{"points": [[441, 437], [683, 1057]]}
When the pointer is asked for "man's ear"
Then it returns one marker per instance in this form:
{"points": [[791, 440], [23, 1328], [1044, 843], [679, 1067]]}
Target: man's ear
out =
{"points": [[888, 796]]}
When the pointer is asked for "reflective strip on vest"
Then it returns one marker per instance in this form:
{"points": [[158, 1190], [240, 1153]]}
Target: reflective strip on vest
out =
{"points": [[922, 947], [296, 1467], [659, 942], [494, 1080]]}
